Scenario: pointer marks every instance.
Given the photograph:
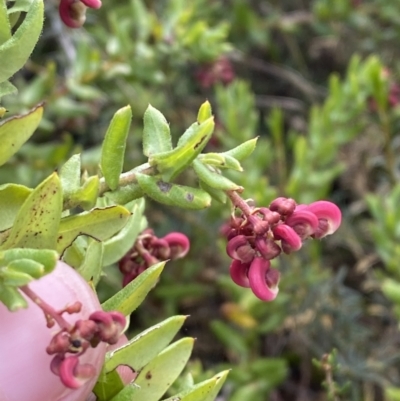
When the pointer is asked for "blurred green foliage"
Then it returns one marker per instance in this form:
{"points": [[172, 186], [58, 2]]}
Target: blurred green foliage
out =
{"points": [[318, 83]]}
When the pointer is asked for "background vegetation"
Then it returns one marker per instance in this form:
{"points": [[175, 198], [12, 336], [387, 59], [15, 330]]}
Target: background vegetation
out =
{"points": [[318, 82]]}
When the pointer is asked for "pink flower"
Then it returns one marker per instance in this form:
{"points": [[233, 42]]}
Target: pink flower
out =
{"points": [[73, 12], [25, 366]]}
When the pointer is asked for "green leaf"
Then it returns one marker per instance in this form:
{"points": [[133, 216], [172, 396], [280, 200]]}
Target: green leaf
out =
{"points": [[132, 295], [213, 179], [220, 160], [205, 112], [114, 144], [158, 375], [87, 196], [37, 221], [205, 391], [217, 194], [45, 257], [10, 277], [173, 194], [108, 385], [156, 133], [15, 131], [117, 246], [5, 28], [125, 194], [15, 51], [99, 224], [190, 145], [7, 88], [242, 151], [12, 298], [70, 176], [12, 196], [145, 346], [91, 268]]}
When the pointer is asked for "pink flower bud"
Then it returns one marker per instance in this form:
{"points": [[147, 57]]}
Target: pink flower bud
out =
{"points": [[25, 372], [329, 217], [92, 3], [263, 280], [284, 206], [238, 272], [304, 222], [234, 245], [72, 13], [289, 239], [178, 243], [267, 248]]}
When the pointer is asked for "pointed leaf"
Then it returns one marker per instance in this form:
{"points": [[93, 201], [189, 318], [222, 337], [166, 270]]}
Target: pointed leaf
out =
{"points": [[100, 224], [91, 268], [7, 88], [145, 346], [205, 112], [220, 160], [158, 375], [114, 144], [192, 142], [213, 179], [70, 176], [244, 150], [156, 133], [5, 28], [15, 131], [12, 196], [131, 296], [15, 52], [117, 246], [173, 194], [12, 298], [37, 222]]}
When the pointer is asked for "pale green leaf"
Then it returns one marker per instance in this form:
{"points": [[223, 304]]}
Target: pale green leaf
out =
{"points": [[7, 88], [91, 267], [132, 295], [15, 131], [37, 221], [12, 196], [114, 144], [145, 346], [100, 224], [5, 28], [15, 52]]}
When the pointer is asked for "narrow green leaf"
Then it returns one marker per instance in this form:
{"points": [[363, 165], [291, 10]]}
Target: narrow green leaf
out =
{"points": [[46, 257], [205, 112], [242, 151], [220, 160], [173, 194], [131, 296], [91, 268], [100, 224], [12, 298], [37, 222], [204, 391], [125, 194], [87, 196], [15, 52], [158, 375], [217, 194], [108, 385], [15, 131], [114, 144], [145, 346], [70, 176], [117, 246], [27, 266], [190, 145], [12, 196], [5, 28], [13, 278], [213, 179], [156, 132], [7, 88]]}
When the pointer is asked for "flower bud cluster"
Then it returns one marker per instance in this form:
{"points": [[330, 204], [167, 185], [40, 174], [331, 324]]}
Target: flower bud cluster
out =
{"points": [[149, 250], [75, 340], [73, 12], [256, 237]]}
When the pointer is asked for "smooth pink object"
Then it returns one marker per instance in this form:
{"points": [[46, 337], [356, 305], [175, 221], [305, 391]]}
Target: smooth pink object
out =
{"points": [[24, 364]]}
